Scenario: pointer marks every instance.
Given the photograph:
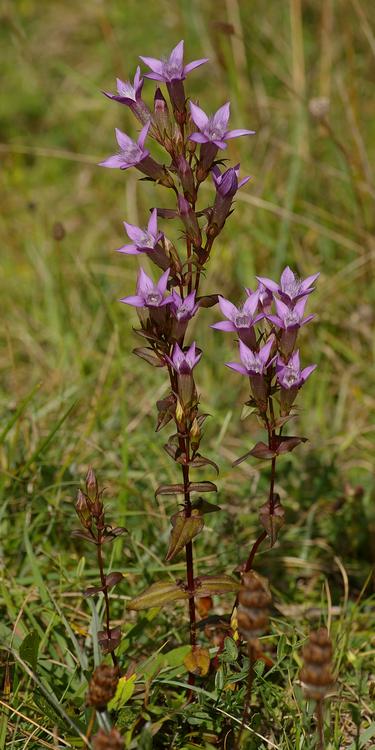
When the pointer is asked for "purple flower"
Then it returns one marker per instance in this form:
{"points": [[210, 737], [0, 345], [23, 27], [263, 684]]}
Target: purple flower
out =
{"points": [[144, 240], [173, 68], [291, 288], [184, 362], [226, 184], [214, 129], [265, 298], [240, 320], [148, 293], [253, 363], [183, 309], [290, 375], [130, 95], [287, 317], [131, 153], [134, 154]]}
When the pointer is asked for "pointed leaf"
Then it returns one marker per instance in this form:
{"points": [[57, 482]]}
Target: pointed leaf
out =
{"points": [[287, 444], [112, 579], [261, 450], [29, 648], [112, 534], [170, 489], [80, 534], [158, 594], [202, 487], [183, 531], [204, 506], [148, 355], [272, 522], [198, 661], [92, 590], [109, 644], [221, 584], [198, 461], [208, 300], [124, 691], [166, 410]]}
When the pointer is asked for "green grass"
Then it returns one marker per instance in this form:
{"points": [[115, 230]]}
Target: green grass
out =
{"points": [[73, 395]]}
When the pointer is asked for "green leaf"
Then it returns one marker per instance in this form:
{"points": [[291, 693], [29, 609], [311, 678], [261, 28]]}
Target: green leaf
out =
{"points": [[29, 649], [222, 584], [183, 531], [124, 691], [158, 594]]}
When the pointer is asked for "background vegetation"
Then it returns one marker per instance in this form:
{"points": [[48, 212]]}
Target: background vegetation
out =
{"points": [[73, 395]]}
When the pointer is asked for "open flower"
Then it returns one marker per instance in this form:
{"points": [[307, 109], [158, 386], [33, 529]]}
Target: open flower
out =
{"points": [[173, 68], [183, 309], [289, 375], [291, 288], [184, 362], [148, 293], [130, 94], [144, 240], [214, 129], [253, 363], [240, 320], [290, 317], [134, 154]]}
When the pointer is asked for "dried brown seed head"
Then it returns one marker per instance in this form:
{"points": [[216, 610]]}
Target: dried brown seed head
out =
{"points": [[108, 740], [316, 674], [102, 686], [253, 600]]}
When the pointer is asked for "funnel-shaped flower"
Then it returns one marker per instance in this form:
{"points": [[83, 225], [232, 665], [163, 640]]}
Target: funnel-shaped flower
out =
{"points": [[131, 152], [173, 68], [240, 320], [289, 375], [183, 309], [290, 317], [290, 288], [253, 363], [184, 362], [144, 240], [148, 293], [214, 129], [130, 94]]}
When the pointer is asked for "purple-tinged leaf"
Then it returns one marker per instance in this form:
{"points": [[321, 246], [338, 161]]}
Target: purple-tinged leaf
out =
{"points": [[109, 644], [170, 489], [198, 461], [166, 410], [162, 592], [208, 300], [287, 444], [113, 578], [272, 522], [111, 534], [92, 590], [204, 506], [148, 355], [202, 487], [261, 450], [80, 534], [183, 531]]}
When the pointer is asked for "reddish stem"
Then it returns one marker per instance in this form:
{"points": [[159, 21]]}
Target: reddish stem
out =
{"points": [[105, 592]]}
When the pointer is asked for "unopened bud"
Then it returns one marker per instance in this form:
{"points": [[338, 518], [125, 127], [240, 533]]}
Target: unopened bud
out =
{"points": [[186, 176], [195, 434], [179, 412], [84, 510], [161, 113], [91, 484], [190, 221]]}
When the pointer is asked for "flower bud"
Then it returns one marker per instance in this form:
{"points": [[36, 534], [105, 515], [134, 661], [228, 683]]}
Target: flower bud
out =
{"points": [[161, 114], [111, 740], [91, 484], [179, 412], [190, 221], [186, 176], [84, 510], [195, 434]]}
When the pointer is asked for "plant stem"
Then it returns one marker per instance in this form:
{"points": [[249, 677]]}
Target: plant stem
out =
{"points": [[105, 592], [320, 725], [250, 680], [257, 543], [189, 551]]}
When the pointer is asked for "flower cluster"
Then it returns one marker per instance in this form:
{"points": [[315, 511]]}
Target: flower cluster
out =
{"points": [[268, 356]]}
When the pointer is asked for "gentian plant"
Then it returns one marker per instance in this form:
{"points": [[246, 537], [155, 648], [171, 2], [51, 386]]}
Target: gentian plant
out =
{"points": [[194, 143]]}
